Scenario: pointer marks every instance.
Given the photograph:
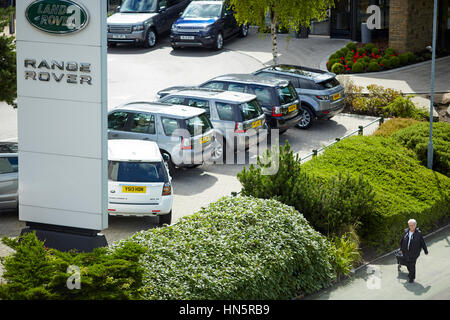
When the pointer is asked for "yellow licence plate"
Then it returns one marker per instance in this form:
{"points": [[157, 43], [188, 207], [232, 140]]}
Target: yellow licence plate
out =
{"points": [[134, 189], [204, 139], [336, 96], [292, 108], [256, 124]]}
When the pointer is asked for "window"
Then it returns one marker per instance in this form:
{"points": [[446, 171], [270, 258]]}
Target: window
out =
{"points": [[143, 123], [287, 94], [162, 4], [250, 110], [170, 125], [263, 94], [8, 164], [122, 171], [214, 85], [225, 111], [236, 87], [327, 84], [117, 120], [138, 6], [198, 125], [197, 103], [203, 10], [306, 84], [174, 100]]}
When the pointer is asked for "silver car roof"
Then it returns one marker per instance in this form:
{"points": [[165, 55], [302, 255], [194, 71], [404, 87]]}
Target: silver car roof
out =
{"points": [[228, 96], [164, 109]]}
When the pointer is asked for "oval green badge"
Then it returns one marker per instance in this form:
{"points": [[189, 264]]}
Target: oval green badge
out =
{"points": [[57, 16]]}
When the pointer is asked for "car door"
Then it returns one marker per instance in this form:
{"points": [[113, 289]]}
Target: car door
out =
{"points": [[142, 127], [117, 124], [229, 22]]}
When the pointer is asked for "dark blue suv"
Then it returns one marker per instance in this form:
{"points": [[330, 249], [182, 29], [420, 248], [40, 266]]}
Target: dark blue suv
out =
{"points": [[206, 24]]}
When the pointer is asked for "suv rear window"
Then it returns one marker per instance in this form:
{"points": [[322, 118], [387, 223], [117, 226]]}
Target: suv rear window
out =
{"points": [[250, 110], [122, 171], [287, 94], [327, 84], [198, 125]]}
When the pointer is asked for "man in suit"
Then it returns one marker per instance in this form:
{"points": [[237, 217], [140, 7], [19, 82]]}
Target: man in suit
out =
{"points": [[411, 244]]}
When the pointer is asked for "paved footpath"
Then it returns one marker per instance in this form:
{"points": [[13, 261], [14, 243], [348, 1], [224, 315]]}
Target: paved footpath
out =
{"points": [[381, 280]]}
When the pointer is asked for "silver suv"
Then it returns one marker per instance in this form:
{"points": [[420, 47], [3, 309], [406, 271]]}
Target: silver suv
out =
{"points": [[9, 168], [184, 134], [143, 21], [238, 118]]}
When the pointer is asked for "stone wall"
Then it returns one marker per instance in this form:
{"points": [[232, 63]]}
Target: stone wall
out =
{"points": [[410, 25]]}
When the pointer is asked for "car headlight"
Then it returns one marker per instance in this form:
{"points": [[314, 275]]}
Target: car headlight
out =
{"points": [[174, 27], [207, 27], [138, 28]]}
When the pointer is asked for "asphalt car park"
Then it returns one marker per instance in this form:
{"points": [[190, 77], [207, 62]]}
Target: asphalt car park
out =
{"points": [[137, 74]]}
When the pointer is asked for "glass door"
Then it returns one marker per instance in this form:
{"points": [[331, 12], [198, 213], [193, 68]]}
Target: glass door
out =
{"points": [[341, 19]]}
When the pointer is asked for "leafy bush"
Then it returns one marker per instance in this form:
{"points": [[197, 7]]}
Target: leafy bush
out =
{"points": [[8, 74], [351, 46], [374, 67], [404, 189], [375, 51], [35, 272], [386, 63], [394, 125], [331, 63], [389, 52], [346, 252], [404, 108], [411, 57], [415, 138], [329, 205], [358, 67], [403, 59], [395, 61], [375, 101], [369, 47], [236, 248], [337, 68]]}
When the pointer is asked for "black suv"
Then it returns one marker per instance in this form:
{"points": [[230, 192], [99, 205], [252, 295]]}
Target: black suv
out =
{"points": [[206, 24], [278, 98]]}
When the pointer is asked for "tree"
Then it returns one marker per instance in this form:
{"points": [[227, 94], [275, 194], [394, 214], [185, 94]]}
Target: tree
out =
{"points": [[8, 75], [291, 14]]}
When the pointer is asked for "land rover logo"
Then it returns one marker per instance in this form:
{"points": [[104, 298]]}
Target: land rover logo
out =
{"points": [[57, 16]]}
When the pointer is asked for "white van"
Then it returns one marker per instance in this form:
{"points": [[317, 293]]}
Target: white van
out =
{"points": [[139, 183]]}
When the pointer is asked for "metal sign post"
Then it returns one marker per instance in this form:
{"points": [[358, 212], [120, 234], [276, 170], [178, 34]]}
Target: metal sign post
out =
{"points": [[62, 111]]}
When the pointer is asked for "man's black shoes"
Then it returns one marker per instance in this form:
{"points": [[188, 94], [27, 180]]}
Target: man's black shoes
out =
{"points": [[411, 281]]}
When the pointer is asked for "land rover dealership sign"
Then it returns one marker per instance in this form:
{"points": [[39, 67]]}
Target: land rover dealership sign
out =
{"points": [[62, 112], [57, 16]]}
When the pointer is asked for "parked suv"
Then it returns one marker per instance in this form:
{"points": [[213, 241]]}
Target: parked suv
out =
{"points": [[185, 135], [138, 181], [9, 168], [143, 21], [206, 24], [321, 93], [232, 115]]}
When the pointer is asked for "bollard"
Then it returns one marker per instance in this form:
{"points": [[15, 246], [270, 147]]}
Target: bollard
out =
{"points": [[381, 120], [314, 153], [360, 130]]}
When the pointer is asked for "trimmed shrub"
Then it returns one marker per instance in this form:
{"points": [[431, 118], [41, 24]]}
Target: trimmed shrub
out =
{"points": [[332, 62], [358, 67], [337, 68], [236, 248], [404, 108], [386, 63], [344, 51], [361, 51], [375, 102], [374, 67], [35, 272], [395, 62], [375, 51], [394, 125], [415, 138], [334, 56], [403, 59], [411, 57], [369, 47], [404, 189], [389, 52], [351, 46]]}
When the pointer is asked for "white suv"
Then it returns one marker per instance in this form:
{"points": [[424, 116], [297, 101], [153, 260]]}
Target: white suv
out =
{"points": [[139, 183]]}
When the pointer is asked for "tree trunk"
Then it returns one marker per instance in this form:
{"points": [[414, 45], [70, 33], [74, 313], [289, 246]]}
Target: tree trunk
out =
{"points": [[273, 32]]}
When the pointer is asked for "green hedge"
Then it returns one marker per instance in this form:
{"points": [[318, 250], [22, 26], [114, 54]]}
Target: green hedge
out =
{"points": [[236, 248], [416, 138], [394, 125], [403, 188]]}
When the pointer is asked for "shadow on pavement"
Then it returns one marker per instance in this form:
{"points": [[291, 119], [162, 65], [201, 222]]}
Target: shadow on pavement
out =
{"points": [[416, 288]]}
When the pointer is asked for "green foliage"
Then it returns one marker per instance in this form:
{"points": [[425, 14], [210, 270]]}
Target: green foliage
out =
{"points": [[404, 108], [395, 61], [8, 76], [337, 68], [411, 57], [329, 205], [373, 103], [415, 138], [35, 272], [346, 252], [358, 67], [404, 189], [375, 51], [369, 47], [236, 248], [352, 46], [361, 51], [394, 125], [389, 52], [403, 59], [374, 67], [386, 63]]}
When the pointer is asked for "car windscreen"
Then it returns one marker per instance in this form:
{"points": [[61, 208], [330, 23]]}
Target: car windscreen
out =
{"points": [[327, 84], [123, 171], [287, 94], [250, 110], [198, 125], [139, 6], [203, 10]]}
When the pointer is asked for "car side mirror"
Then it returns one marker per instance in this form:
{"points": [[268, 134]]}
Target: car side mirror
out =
{"points": [[118, 9], [166, 157], [162, 9]]}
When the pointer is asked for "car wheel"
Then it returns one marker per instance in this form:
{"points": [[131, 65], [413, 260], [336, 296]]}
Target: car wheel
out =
{"points": [[219, 155], [165, 219], [150, 39], [219, 42], [307, 119], [244, 30], [170, 164]]}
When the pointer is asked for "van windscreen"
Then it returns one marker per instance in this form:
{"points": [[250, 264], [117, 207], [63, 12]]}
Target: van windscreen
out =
{"points": [[123, 171]]}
